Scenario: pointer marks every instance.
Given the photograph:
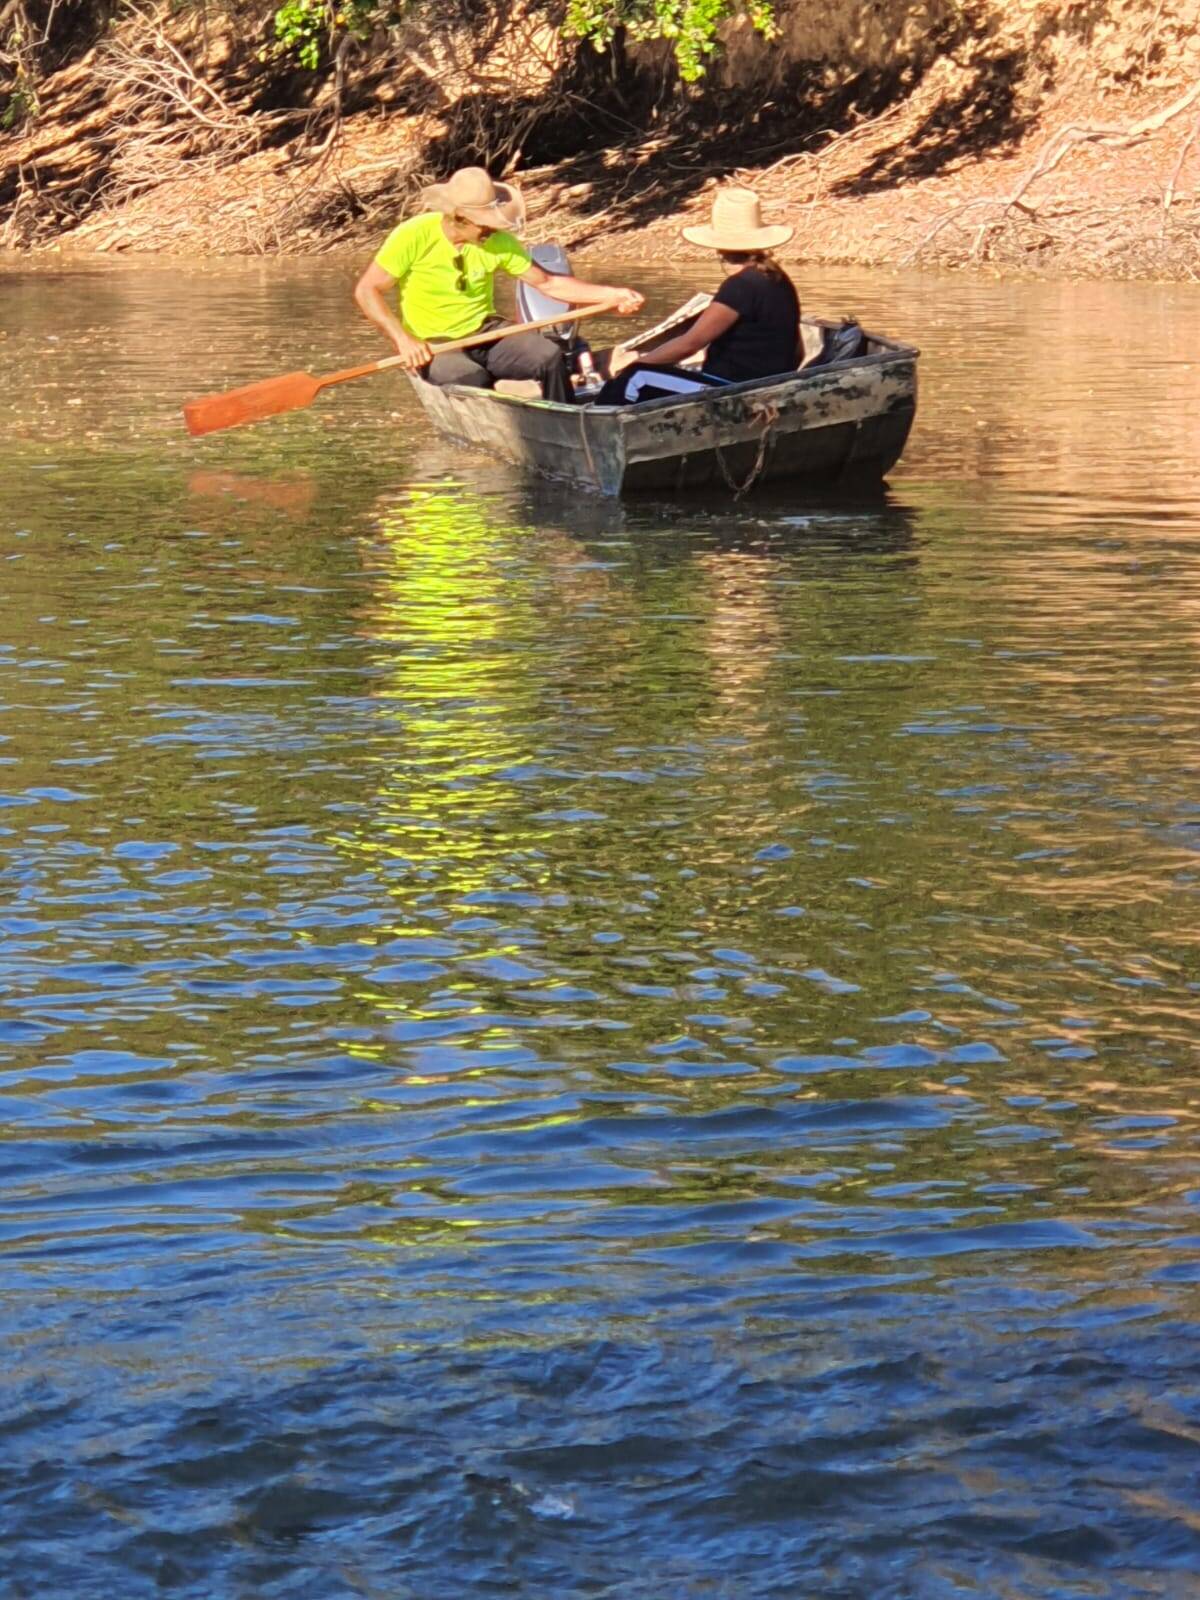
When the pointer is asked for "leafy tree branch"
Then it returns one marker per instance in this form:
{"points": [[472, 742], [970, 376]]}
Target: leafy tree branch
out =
{"points": [[691, 26]]}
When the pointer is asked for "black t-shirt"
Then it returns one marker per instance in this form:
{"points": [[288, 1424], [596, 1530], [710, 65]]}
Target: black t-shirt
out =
{"points": [[763, 339]]}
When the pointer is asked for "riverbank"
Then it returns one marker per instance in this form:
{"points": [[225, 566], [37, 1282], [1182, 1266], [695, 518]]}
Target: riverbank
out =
{"points": [[1027, 142], [1095, 190]]}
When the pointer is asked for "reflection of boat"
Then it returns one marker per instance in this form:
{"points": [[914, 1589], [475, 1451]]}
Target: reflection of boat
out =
{"points": [[844, 422]]}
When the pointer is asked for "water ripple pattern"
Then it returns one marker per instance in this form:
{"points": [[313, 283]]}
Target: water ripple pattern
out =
{"points": [[563, 1050]]}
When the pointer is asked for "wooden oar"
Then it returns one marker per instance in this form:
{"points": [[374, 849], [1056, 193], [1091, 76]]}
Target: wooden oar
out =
{"points": [[274, 396]]}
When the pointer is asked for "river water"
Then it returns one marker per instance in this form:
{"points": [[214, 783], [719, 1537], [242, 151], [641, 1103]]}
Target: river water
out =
{"points": [[563, 1050]]}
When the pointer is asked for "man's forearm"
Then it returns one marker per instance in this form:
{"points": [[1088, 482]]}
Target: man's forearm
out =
{"points": [[575, 292]]}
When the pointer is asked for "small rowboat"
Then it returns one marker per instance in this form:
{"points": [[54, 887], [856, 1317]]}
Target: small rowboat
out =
{"points": [[841, 423]]}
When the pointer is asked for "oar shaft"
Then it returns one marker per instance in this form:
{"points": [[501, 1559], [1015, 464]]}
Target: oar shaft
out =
{"points": [[466, 344]]}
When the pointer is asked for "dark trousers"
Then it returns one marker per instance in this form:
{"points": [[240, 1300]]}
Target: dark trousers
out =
{"points": [[523, 355]]}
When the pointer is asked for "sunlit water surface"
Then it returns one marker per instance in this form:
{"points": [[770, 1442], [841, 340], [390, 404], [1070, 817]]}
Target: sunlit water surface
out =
{"points": [[558, 1050]]}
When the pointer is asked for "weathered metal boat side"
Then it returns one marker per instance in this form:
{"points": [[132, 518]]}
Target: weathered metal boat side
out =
{"points": [[579, 443], [847, 422], [844, 422]]}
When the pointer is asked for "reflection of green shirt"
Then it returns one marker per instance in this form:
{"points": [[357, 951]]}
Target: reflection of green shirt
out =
{"points": [[446, 289]]}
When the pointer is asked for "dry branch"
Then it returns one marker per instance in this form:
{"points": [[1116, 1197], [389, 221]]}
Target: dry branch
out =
{"points": [[1057, 148], [1172, 181], [161, 112]]}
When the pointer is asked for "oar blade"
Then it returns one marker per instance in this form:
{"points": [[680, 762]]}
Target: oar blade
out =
{"points": [[254, 403]]}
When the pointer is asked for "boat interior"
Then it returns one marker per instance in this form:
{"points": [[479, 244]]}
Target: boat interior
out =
{"points": [[823, 343]]}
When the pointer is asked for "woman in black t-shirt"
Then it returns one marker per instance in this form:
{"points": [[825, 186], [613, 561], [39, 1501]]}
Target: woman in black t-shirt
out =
{"points": [[750, 328]]}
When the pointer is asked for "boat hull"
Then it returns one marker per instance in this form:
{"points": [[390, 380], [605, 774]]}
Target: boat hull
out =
{"points": [[844, 424]]}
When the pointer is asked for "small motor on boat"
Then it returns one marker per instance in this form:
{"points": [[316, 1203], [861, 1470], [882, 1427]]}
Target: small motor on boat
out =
{"points": [[533, 305]]}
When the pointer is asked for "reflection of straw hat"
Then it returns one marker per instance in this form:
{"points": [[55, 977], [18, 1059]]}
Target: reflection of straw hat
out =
{"points": [[737, 224], [470, 193]]}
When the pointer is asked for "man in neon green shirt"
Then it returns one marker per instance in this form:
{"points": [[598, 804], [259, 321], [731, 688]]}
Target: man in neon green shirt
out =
{"points": [[445, 262]]}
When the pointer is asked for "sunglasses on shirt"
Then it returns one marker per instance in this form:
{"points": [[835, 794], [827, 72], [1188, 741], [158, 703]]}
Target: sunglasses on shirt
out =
{"points": [[462, 281]]}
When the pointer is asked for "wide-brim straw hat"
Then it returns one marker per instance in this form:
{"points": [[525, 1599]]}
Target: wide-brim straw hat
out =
{"points": [[737, 224], [472, 194]]}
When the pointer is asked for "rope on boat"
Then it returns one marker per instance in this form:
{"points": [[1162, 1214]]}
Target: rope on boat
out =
{"points": [[767, 415], [587, 448]]}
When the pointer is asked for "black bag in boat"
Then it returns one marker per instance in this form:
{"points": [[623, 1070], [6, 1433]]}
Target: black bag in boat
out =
{"points": [[843, 343]]}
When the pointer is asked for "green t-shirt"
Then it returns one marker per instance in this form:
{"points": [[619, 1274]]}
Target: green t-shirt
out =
{"points": [[446, 289]]}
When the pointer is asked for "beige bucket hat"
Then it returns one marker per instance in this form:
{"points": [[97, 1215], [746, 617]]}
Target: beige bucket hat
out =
{"points": [[737, 224], [470, 193]]}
